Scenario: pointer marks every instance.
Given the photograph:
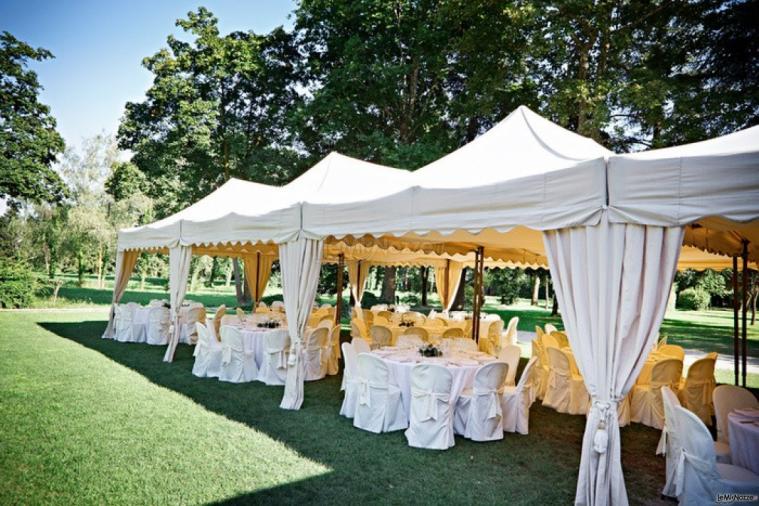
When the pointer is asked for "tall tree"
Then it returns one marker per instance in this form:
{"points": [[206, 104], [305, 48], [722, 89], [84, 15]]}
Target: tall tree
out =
{"points": [[29, 141]]}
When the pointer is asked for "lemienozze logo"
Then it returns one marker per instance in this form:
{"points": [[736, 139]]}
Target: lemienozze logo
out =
{"points": [[732, 498]]}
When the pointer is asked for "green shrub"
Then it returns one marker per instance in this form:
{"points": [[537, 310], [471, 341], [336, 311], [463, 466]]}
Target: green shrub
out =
{"points": [[693, 299], [17, 284], [410, 299]]}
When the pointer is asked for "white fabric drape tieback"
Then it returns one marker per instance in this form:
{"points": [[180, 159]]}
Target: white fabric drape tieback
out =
{"points": [[606, 409], [281, 354], [431, 399], [494, 406]]}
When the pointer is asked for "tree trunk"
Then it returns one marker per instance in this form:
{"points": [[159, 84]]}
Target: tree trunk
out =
{"points": [[143, 275], [388, 285], [228, 275], [547, 288], [460, 298], [238, 280], [100, 266], [214, 272], [80, 268], [754, 296], [535, 289], [424, 272], [555, 309], [194, 278]]}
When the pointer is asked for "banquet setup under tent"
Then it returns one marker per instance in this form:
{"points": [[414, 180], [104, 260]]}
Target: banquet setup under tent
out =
{"points": [[610, 228]]}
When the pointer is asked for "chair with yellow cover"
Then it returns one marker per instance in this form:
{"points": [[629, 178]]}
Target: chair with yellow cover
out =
{"points": [[240, 314], [561, 338], [646, 405], [418, 331], [453, 333], [387, 315], [566, 391], [697, 388], [672, 350], [358, 329], [381, 336], [495, 336]]}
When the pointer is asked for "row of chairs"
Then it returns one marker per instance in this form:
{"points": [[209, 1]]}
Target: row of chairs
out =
{"points": [[493, 405], [696, 473]]}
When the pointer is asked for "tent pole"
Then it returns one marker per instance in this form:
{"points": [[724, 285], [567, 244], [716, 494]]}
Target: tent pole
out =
{"points": [[256, 295], [736, 327], [446, 286], [339, 302], [744, 296], [477, 299]]}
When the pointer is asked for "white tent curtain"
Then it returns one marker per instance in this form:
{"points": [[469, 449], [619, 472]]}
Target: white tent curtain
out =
{"points": [[612, 282], [447, 279], [257, 272], [125, 262], [179, 271], [358, 271], [300, 262]]}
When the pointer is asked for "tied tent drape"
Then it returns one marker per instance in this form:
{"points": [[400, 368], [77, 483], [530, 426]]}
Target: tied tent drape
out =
{"points": [[447, 279], [612, 282], [257, 272], [300, 262], [358, 271], [125, 262], [179, 270]]}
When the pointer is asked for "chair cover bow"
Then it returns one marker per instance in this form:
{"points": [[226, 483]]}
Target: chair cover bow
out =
{"points": [[430, 398], [703, 467], [494, 402]]}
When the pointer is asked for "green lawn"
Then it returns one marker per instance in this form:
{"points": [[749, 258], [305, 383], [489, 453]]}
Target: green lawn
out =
{"points": [[85, 420]]}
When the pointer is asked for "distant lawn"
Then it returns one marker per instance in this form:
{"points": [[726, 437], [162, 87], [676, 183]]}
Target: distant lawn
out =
{"points": [[85, 420]]}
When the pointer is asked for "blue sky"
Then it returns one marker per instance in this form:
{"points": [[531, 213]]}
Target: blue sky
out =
{"points": [[99, 46]]}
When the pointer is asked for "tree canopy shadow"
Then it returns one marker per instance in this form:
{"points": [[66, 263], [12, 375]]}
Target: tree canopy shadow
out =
{"points": [[383, 468]]}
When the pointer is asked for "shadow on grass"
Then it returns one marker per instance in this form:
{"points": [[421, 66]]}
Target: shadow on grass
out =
{"points": [[692, 335], [538, 468]]}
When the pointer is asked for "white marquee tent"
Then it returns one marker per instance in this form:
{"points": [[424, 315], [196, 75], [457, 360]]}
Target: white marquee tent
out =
{"points": [[610, 228]]}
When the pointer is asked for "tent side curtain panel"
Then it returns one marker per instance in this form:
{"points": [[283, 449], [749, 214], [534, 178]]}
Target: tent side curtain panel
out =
{"points": [[125, 262], [300, 263], [257, 273], [447, 280], [179, 270], [612, 313], [358, 272]]}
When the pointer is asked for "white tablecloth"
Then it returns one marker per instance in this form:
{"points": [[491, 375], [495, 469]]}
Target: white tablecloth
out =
{"points": [[141, 320], [400, 371], [743, 432], [253, 340]]}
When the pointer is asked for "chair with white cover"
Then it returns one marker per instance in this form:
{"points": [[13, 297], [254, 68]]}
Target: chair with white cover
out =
{"points": [[420, 332], [565, 392], [510, 355], [672, 350], [381, 336], [159, 325], [495, 333], [195, 313], [726, 399], [217, 317], [240, 314], [453, 333], [465, 344], [317, 352], [510, 335], [668, 443], [645, 402], [409, 341], [699, 478], [207, 354], [479, 413], [350, 382], [696, 389], [237, 364], [277, 305], [431, 413], [333, 366], [123, 323], [379, 407], [516, 400], [361, 346], [273, 369]]}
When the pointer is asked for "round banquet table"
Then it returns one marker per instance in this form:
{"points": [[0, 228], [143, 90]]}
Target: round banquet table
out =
{"points": [[432, 330], [253, 340], [401, 363], [743, 431]]}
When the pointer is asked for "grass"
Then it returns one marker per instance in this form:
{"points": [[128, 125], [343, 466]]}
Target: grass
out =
{"points": [[85, 420]]}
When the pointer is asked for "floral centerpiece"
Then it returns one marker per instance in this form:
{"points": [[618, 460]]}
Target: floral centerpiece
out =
{"points": [[430, 351], [268, 324], [406, 321]]}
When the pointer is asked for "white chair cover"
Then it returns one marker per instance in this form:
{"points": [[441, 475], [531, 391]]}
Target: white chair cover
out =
{"points": [[510, 335], [159, 325], [516, 401], [350, 383], [696, 391], [207, 354], [317, 353], [237, 365], [360, 346], [431, 413], [699, 479], [726, 399], [668, 443], [479, 413], [274, 367], [123, 323], [645, 402], [550, 329], [510, 355], [195, 313], [379, 408]]}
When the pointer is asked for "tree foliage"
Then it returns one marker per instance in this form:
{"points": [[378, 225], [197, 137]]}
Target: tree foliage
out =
{"points": [[29, 141]]}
